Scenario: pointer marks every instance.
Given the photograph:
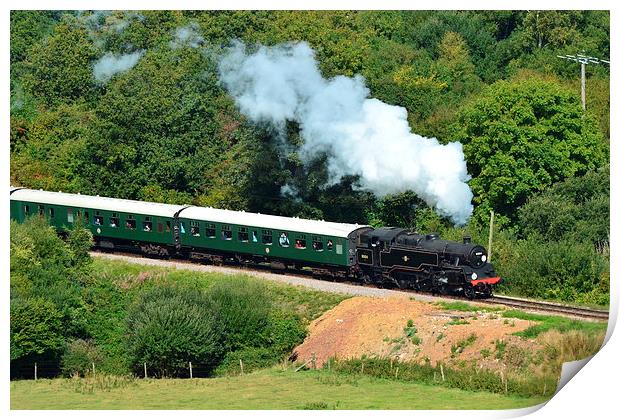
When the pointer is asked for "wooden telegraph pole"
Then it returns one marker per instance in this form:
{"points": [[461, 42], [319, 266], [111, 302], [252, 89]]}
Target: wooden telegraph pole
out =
{"points": [[583, 60], [490, 236]]}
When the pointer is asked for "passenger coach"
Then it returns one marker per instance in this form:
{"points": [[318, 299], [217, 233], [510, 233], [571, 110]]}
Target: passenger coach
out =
{"points": [[204, 233]]}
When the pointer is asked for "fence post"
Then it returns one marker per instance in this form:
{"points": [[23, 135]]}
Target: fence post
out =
{"points": [[93, 369], [313, 361], [145, 374], [241, 365], [443, 378], [396, 376], [191, 375], [362, 368], [35, 371]]}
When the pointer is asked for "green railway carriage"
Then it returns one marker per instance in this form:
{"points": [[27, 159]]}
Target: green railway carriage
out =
{"points": [[199, 232], [274, 238], [114, 223]]}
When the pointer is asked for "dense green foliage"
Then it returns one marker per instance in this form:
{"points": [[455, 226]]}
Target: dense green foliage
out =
{"points": [[68, 312], [165, 129], [520, 137], [170, 326], [79, 357]]}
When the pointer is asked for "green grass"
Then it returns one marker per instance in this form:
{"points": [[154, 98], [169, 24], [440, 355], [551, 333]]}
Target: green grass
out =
{"points": [[266, 389], [466, 307], [548, 322], [307, 303]]}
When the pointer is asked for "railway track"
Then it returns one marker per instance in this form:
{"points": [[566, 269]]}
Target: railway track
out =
{"points": [[549, 307], [309, 280]]}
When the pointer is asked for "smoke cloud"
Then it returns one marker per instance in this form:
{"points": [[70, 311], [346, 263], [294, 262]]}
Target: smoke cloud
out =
{"points": [[360, 135], [187, 36], [111, 64]]}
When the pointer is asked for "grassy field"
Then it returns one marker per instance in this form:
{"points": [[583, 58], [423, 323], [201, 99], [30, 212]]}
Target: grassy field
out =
{"points": [[267, 389]]}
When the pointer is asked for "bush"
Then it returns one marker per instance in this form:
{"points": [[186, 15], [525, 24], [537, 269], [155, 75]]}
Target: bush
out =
{"points": [[36, 327], [284, 332], [79, 357], [252, 358], [564, 270], [169, 326], [242, 309]]}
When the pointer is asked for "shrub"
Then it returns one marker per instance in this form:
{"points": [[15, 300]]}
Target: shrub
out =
{"points": [[242, 309], [252, 358], [169, 326], [79, 357], [36, 327], [565, 270]]}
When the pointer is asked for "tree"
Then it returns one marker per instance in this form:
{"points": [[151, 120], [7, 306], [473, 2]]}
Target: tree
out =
{"points": [[169, 326], [455, 67], [36, 328], [576, 209], [59, 67], [520, 137]]}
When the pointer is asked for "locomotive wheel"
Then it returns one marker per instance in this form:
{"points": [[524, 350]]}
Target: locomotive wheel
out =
{"points": [[470, 293]]}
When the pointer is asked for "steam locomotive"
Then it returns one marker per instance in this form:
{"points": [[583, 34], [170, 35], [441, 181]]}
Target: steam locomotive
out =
{"points": [[385, 257], [425, 263]]}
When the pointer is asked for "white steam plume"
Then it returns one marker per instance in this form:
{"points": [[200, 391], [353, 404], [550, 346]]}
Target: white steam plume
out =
{"points": [[360, 135], [111, 64], [187, 36]]}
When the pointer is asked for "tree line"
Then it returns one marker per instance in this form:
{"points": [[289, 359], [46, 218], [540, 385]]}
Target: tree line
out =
{"points": [[165, 130]]}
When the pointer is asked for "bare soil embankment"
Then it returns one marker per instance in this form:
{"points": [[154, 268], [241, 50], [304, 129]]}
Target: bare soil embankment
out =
{"points": [[408, 330]]}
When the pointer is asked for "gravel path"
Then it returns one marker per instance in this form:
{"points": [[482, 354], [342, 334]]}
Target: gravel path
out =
{"points": [[323, 285]]}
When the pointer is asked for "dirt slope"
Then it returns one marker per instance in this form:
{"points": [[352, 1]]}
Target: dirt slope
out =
{"points": [[409, 330]]}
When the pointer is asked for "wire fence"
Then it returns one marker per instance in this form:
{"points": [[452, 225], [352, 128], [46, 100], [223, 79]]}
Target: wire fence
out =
{"points": [[50, 369]]}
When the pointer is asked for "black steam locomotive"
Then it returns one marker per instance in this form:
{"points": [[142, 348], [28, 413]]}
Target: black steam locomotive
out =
{"points": [[408, 260]]}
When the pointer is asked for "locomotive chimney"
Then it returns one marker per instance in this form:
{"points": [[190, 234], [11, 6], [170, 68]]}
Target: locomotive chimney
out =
{"points": [[466, 239]]}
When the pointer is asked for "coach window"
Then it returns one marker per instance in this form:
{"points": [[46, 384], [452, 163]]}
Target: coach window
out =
{"points": [[194, 228], [300, 242], [167, 226], [130, 223], [330, 245], [283, 240], [70, 215], [114, 221], [226, 233], [243, 234], [254, 236], [51, 210], [86, 217], [338, 248], [26, 209], [98, 219], [182, 227], [147, 225], [317, 244], [210, 230], [267, 237], [41, 210]]}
